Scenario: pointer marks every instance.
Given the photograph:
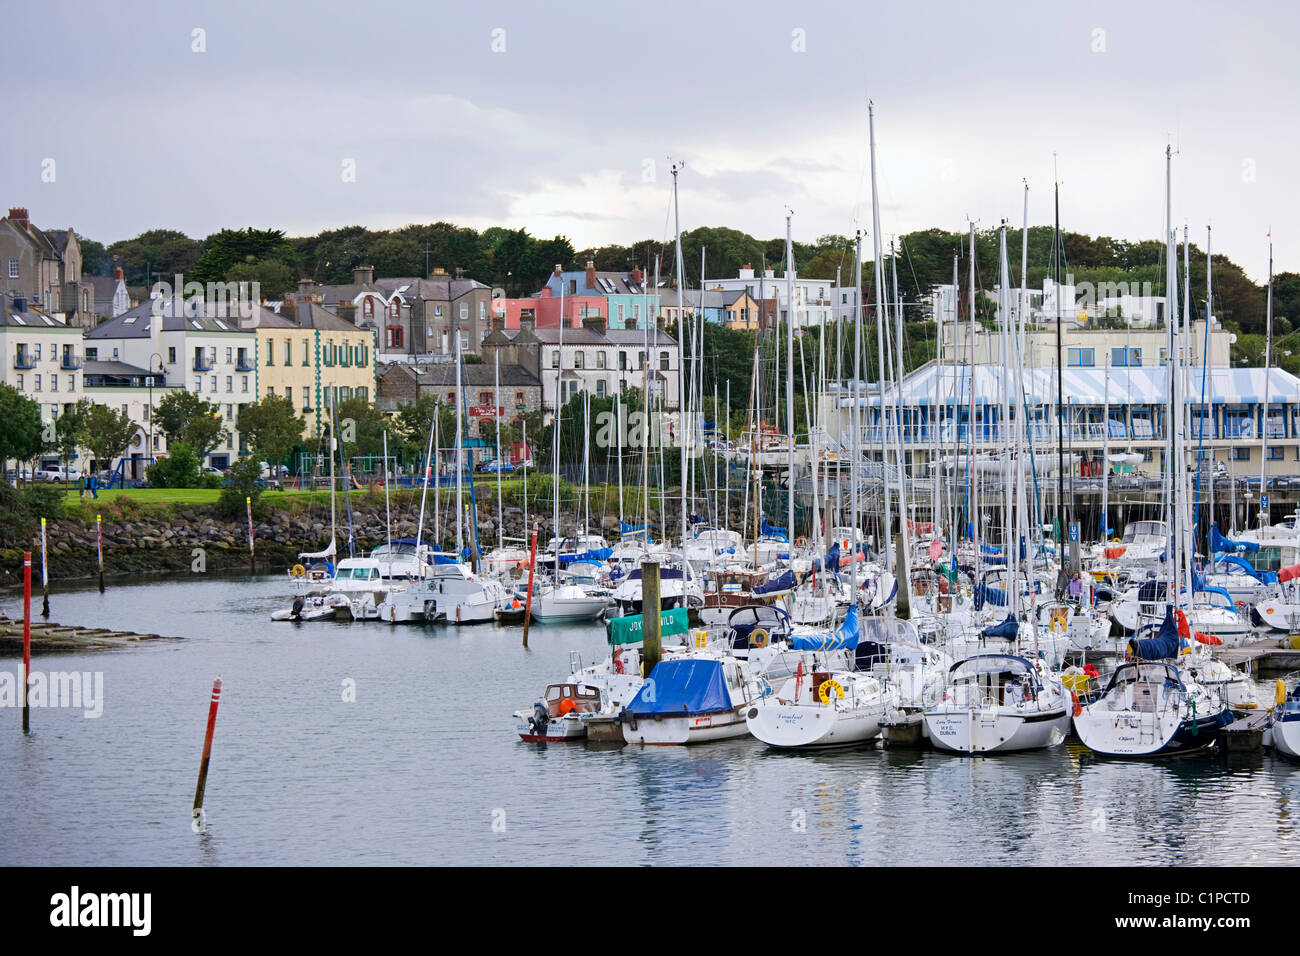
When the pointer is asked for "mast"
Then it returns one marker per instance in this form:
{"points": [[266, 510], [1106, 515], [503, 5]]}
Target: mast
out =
{"points": [[880, 335], [855, 418], [1205, 365], [681, 363], [1171, 318], [1060, 393], [555, 439], [388, 515], [496, 412], [460, 450], [789, 385], [904, 571], [1268, 356]]}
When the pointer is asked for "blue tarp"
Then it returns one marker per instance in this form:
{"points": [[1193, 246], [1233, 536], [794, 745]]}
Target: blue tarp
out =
{"points": [[1219, 543], [1008, 628], [846, 638], [595, 554], [783, 583], [770, 531], [1163, 645], [686, 686], [626, 528], [985, 594]]}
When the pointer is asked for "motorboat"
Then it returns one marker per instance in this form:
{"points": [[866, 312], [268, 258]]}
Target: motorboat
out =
{"points": [[700, 696], [823, 709], [996, 703], [1148, 708]]}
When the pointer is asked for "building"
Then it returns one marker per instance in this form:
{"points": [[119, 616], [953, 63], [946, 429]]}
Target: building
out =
{"points": [[520, 391], [189, 345], [110, 295], [814, 299], [627, 296], [736, 308], [43, 355], [129, 390], [309, 355], [592, 359], [412, 317], [44, 267]]}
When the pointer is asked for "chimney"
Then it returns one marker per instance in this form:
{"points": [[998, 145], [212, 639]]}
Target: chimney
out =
{"points": [[304, 286], [558, 271], [526, 323], [363, 275], [591, 274], [289, 309], [18, 216], [347, 311], [596, 323], [118, 273], [746, 271], [636, 275], [437, 272], [498, 323]]}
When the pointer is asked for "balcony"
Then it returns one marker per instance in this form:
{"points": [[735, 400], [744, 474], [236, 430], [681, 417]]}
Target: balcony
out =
{"points": [[24, 362], [70, 363], [243, 364], [202, 364]]}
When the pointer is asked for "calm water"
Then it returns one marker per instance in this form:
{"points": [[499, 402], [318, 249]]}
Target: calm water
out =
{"points": [[419, 766]]}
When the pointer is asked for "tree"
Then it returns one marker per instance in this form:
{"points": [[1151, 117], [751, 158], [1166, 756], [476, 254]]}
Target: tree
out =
{"points": [[108, 433], [70, 431], [242, 483], [271, 427], [183, 416], [229, 247], [22, 435], [361, 428], [158, 253], [416, 418], [180, 469], [274, 278]]}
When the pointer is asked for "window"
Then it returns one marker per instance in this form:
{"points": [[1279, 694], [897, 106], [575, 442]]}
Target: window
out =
{"points": [[230, 383], [270, 391], [1081, 357], [54, 382], [451, 399], [619, 312], [198, 385], [306, 353], [555, 358], [482, 310], [270, 351], [13, 268], [485, 398], [230, 355], [1241, 454], [464, 310], [171, 356], [600, 359], [573, 286], [36, 351], [600, 388], [663, 361], [20, 383], [640, 360], [1275, 454], [92, 354], [243, 383], [396, 310], [36, 384], [622, 360], [288, 393], [1125, 358], [579, 359], [367, 307], [1164, 356], [214, 383], [519, 400], [636, 315], [306, 400]]}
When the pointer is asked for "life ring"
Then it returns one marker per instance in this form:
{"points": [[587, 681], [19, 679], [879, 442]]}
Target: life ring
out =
{"points": [[298, 571], [756, 641], [824, 691], [801, 542]]}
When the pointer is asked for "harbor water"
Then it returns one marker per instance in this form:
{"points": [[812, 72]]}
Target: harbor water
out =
{"points": [[373, 744]]}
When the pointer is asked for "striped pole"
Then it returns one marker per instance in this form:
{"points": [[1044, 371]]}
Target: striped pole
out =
{"points": [[252, 559], [99, 548], [45, 576], [27, 632], [197, 813]]}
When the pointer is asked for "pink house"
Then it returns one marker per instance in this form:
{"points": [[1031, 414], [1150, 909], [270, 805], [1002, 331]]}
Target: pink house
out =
{"points": [[544, 309]]}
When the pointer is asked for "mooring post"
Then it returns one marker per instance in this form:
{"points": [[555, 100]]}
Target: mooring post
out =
{"points": [[99, 549], [45, 576], [252, 559], [532, 564], [27, 633], [651, 630], [197, 813]]}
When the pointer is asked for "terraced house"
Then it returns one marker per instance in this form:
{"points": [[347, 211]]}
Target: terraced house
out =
{"points": [[310, 356], [43, 355], [44, 267]]}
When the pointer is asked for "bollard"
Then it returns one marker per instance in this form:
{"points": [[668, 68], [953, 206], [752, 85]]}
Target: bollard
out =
{"points": [[197, 813], [27, 633], [45, 576], [528, 603], [99, 549]]}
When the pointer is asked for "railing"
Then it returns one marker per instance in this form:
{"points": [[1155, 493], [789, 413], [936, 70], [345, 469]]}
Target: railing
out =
{"points": [[24, 362], [202, 364], [244, 365], [70, 362]]}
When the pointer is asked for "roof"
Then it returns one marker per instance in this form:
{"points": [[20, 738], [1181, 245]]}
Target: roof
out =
{"points": [[313, 315], [607, 283], [934, 384], [28, 318], [476, 375], [105, 286], [412, 287], [657, 337], [194, 315]]}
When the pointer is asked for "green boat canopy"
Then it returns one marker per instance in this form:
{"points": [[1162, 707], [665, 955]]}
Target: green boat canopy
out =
{"points": [[628, 630]]}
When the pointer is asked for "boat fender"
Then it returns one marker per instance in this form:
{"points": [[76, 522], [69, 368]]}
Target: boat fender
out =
{"points": [[1280, 693], [801, 542], [824, 691], [1078, 708], [298, 571], [756, 641]]}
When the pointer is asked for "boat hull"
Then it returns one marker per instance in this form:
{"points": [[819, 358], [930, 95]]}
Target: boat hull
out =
{"points": [[973, 731], [797, 725], [687, 729]]}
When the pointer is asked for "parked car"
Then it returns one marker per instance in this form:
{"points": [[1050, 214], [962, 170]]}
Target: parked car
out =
{"points": [[492, 467], [56, 474], [269, 472]]}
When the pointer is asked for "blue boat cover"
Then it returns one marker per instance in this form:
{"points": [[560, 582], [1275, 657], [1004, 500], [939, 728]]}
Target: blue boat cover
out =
{"points": [[626, 528], [845, 638], [989, 549], [783, 583], [770, 531], [995, 562], [1164, 645], [833, 556], [594, 554], [1010, 627], [1264, 577], [1219, 543], [684, 686], [987, 595]]}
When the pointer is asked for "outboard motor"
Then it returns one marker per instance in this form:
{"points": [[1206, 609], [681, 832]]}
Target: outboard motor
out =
{"points": [[298, 603], [540, 719]]}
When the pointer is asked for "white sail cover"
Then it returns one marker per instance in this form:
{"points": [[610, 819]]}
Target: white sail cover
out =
{"points": [[327, 553]]}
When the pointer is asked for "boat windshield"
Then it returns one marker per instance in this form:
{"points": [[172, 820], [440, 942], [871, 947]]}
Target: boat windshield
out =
{"points": [[1144, 529], [1147, 672]]}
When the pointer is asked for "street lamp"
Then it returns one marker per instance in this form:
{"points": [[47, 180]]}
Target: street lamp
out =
{"points": [[155, 355]]}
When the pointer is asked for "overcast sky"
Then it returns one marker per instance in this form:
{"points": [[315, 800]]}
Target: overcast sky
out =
{"points": [[561, 117]]}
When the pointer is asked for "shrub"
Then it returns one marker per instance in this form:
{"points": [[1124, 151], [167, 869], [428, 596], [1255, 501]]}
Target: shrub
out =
{"points": [[242, 482], [179, 470], [41, 501]]}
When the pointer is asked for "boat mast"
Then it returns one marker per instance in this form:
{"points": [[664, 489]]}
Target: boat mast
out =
{"points": [[855, 417], [388, 515], [1268, 355], [880, 336], [789, 375], [555, 439], [460, 450], [1205, 365], [496, 412], [1060, 392], [682, 438], [905, 570]]}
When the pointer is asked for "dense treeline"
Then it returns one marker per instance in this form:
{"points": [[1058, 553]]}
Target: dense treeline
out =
{"points": [[519, 263]]}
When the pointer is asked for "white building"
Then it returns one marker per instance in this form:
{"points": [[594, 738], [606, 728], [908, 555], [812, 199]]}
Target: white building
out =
{"points": [[814, 299], [193, 347], [43, 356]]}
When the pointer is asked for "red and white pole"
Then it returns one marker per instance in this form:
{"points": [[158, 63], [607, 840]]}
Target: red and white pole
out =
{"points": [[207, 754], [252, 560], [45, 576], [99, 549], [528, 602], [27, 632]]}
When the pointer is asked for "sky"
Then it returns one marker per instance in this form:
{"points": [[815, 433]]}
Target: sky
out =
{"points": [[565, 118]]}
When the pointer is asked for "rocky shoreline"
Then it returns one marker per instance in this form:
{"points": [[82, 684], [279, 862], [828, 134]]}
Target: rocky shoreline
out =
{"points": [[193, 538]]}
